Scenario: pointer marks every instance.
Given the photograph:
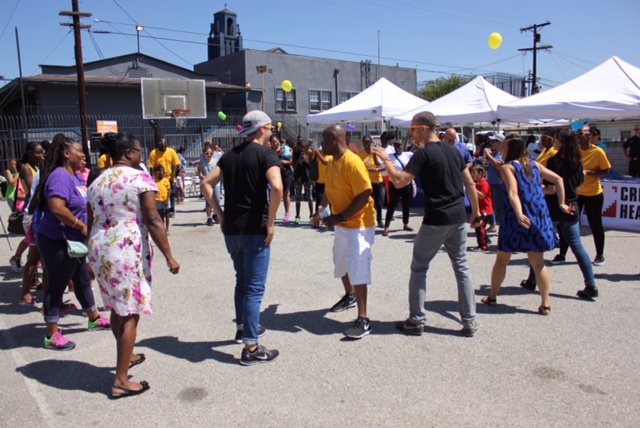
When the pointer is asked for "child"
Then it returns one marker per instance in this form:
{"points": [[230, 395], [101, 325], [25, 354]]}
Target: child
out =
{"points": [[485, 205], [162, 198]]}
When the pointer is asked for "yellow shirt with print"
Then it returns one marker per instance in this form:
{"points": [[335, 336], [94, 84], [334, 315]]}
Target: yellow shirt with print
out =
{"points": [[593, 159], [369, 160], [347, 178], [545, 155], [164, 188], [169, 160]]}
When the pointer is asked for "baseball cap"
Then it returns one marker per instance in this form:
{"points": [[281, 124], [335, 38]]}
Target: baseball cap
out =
{"points": [[253, 121], [497, 136]]}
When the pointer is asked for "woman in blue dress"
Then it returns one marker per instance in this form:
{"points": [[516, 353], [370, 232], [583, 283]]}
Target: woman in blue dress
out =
{"points": [[526, 225]]}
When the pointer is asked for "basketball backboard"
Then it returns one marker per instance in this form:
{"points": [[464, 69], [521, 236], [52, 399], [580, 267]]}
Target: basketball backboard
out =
{"points": [[161, 97]]}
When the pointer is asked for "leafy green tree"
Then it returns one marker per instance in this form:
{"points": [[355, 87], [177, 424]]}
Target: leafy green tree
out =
{"points": [[442, 86]]}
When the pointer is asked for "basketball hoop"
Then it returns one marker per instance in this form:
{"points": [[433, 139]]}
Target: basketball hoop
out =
{"points": [[181, 117]]}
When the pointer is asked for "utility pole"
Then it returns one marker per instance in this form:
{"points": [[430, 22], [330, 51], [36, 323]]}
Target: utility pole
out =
{"points": [[536, 39], [82, 94]]}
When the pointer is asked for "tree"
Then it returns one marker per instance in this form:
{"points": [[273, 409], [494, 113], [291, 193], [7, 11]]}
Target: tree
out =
{"points": [[442, 86]]}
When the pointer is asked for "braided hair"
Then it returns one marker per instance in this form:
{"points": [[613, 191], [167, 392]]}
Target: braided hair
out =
{"points": [[53, 159]]}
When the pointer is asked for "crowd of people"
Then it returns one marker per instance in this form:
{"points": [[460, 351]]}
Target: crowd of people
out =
{"points": [[86, 225]]}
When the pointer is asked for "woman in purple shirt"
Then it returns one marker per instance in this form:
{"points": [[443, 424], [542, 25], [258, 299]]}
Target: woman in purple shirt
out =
{"points": [[63, 201]]}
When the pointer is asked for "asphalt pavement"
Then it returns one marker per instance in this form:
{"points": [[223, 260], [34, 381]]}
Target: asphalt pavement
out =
{"points": [[577, 367]]}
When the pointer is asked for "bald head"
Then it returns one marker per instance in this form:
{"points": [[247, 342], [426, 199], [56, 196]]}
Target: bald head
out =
{"points": [[450, 136], [334, 140]]}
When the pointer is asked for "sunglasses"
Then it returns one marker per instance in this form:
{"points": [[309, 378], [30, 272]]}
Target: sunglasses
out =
{"points": [[269, 127]]}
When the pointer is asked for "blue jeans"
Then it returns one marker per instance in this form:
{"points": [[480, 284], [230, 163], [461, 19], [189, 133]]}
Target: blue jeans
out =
{"points": [[570, 231], [425, 247], [251, 261]]}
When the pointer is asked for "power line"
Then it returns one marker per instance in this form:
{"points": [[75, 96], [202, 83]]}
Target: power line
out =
{"points": [[9, 20]]}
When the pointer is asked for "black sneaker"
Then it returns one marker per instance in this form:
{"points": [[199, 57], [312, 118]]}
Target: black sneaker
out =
{"points": [[209, 221], [347, 301], [469, 330], [558, 259], [259, 356], [409, 327], [598, 261], [240, 335], [360, 329], [588, 293], [529, 285]]}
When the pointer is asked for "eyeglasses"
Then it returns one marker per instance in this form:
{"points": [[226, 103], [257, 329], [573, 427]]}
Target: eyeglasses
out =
{"points": [[418, 126]]}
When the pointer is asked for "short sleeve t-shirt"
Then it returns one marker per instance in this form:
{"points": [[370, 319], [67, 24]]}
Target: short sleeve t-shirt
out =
{"points": [[546, 154], [439, 166], [73, 191], [593, 159], [168, 159], [164, 188], [246, 202], [484, 205], [347, 178], [493, 175], [369, 160]]}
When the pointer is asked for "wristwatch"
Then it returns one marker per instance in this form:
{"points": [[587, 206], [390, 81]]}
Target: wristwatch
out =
{"points": [[341, 218], [387, 159]]}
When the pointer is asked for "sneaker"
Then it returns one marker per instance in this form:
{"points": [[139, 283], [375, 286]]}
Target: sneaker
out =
{"points": [[287, 217], [297, 221], [558, 259], [409, 327], [259, 356], [310, 219], [15, 264], [529, 285], [215, 218], [359, 329], [474, 249], [240, 335], [100, 324], [209, 221], [588, 293], [347, 301], [598, 261], [172, 215], [469, 330], [33, 303], [58, 342]]}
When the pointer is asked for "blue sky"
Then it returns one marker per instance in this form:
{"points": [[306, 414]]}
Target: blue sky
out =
{"points": [[436, 38]]}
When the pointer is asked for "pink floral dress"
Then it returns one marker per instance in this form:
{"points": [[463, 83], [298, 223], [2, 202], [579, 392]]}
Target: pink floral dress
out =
{"points": [[119, 250]]}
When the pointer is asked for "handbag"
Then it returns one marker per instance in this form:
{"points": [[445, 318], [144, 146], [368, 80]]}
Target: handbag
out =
{"points": [[14, 225], [76, 249], [414, 186]]}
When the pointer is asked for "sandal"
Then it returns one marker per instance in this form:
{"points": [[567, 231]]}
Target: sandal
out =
{"points": [[140, 360], [487, 300], [544, 310], [130, 392]]}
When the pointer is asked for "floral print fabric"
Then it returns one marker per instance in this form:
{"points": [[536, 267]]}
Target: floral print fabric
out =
{"points": [[119, 250]]}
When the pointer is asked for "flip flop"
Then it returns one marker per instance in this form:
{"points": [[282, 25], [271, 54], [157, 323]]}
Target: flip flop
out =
{"points": [[140, 360], [130, 392], [544, 310], [487, 300]]}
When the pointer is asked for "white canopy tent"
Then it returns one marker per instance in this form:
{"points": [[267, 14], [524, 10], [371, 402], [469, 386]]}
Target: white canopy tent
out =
{"points": [[380, 101], [475, 102], [609, 91]]}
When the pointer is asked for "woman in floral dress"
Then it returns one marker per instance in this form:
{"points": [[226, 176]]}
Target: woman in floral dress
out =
{"points": [[122, 208]]}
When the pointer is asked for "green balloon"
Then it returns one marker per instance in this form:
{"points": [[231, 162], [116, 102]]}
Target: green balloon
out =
{"points": [[222, 116]]}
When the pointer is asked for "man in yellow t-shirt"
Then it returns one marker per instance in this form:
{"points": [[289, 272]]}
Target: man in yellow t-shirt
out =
{"points": [[348, 189], [168, 158], [375, 167]]}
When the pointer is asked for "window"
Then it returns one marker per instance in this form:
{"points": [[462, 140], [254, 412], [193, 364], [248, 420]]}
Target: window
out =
{"points": [[319, 100], [285, 101], [344, 96]]}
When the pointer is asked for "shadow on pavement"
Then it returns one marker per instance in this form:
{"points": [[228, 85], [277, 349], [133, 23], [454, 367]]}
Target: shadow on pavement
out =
{"points": [[70, 375], [194, 352]]}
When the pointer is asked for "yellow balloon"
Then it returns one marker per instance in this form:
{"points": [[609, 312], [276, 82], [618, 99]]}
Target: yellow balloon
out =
{"points": [[495, 40], [287, 86], [279, 125]]}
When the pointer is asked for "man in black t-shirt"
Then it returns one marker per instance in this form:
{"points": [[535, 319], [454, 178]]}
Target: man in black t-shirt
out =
{"points": [[248, 224], [631, 149], [443, 174]]}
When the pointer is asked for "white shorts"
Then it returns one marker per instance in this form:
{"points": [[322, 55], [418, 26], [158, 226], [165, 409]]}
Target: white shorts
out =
{"points": [[352, 254]]}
